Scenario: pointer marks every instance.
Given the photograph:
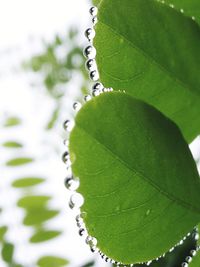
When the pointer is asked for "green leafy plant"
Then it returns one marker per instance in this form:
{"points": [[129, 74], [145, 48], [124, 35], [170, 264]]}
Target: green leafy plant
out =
{"points": [[129, 148]]}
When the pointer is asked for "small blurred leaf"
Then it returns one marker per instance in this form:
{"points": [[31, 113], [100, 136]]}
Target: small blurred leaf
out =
{"points": [[18, 161], [12, 121], [53, 119], [7, 252], [38, 216], [12, 144], [3, 230], [52, 261], [31, 202], [89, 264], [43, 235], [27, 181]]}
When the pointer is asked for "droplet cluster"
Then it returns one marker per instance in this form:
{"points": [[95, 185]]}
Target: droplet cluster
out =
{"points": [[193, 252], [72, 183], [172, 6]]}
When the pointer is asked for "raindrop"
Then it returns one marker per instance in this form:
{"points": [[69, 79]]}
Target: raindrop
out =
{"points": [[96, 92], [98, 86], [87, 98], [184, 264], [93, 11], [72, 183], [148, 212], [77, 106], [68, 125], [81, 232], [90, 34], [193, 253], [94, 20], [188, 259], [91, 241], [65, 157], [76, 201], [66, 142], [90, 52], [91, 65], [94, 75]]}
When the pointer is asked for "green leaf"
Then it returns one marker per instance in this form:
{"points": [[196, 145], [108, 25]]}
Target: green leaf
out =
{"points": [[53, 119], [38, 216], [12, 121], [27, 182], [44, 235], [18, 161], [152, 59], [12, 144], [196, 261], [191, 8], [3, 230], [52, 261], [138, 178], [7, 252], [30, 202], [89, 264]]}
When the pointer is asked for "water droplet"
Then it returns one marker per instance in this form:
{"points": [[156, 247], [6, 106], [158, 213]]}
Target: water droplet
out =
{"points": [[148, 263], [96, 92], [89, 34], [77, 106], [87, 98], [68, 125], [98, 86], [91, 65], [82, 232], [148, 212], [65, 157], [90, 52], [182, 11], [66, 142], [91, 241], [188, 259], [93, 11], [184, 264], [72, 183], [94, 75], [94, 20], [193, 253], [76, 201]]}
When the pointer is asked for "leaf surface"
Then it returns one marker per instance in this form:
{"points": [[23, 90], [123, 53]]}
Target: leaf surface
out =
{"points": [[152, 59], [137, 175]]}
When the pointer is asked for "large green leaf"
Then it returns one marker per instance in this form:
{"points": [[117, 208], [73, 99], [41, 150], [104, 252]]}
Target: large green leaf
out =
{"points": [[138, 177], [52, 261], [27, 182], [143, 49], [44, 235], [191, 8]]}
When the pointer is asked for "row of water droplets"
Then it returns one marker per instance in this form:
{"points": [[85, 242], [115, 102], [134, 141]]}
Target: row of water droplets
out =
{"points": [[172, 6], [72, 183], [193, 252]]}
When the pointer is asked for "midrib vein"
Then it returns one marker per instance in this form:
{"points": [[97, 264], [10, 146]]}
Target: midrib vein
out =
{"points": [[151, 59], [136, 172]]}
